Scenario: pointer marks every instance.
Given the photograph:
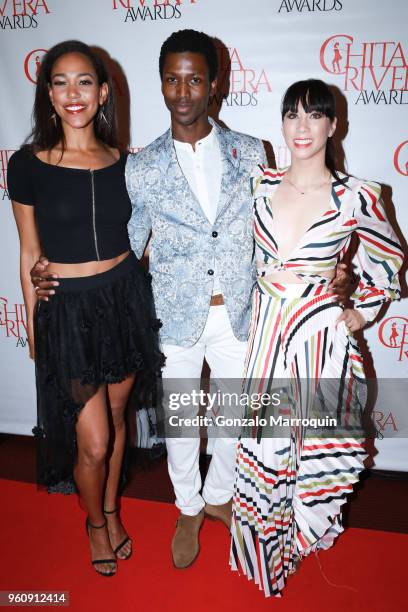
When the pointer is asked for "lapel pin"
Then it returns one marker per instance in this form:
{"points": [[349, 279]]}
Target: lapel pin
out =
{"points": [[234, 153]]}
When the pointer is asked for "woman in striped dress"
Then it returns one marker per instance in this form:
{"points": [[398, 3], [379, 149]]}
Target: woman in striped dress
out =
{"points": [[292, 481]]}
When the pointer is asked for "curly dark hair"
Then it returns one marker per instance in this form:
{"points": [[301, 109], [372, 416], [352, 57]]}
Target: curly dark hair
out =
{"points": [[195, 42], [47, 133]]}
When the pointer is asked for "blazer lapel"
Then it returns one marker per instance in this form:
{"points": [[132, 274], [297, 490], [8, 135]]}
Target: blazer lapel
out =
{"points": [[230, 159]]}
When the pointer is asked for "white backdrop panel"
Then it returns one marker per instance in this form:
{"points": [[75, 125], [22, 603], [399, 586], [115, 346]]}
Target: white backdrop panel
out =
{"points": [[270, 44]]}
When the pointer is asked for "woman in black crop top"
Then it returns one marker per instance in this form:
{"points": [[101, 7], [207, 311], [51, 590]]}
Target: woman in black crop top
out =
{"points": [[70, 203]]}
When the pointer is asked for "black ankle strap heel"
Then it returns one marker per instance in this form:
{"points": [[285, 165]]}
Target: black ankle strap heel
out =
{"points": [[124, 541], [96, 562], [111, 511]]}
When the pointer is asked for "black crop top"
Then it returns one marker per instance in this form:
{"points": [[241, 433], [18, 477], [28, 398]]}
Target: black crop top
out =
{"points": [[82, 215]]}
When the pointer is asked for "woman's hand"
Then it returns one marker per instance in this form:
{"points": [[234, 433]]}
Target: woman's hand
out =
{"points": [[353, 319]]}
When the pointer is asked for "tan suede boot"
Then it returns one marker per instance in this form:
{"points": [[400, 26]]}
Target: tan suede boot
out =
{"points": [[185, 546], [222, 512]]}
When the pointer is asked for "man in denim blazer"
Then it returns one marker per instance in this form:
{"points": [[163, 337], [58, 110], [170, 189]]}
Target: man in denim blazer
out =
{"points": [[190, 189]]}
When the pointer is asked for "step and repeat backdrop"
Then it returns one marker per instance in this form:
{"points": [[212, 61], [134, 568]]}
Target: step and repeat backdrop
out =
{"points": [[359, 47]]}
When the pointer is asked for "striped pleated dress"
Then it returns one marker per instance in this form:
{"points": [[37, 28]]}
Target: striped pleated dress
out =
{"points": [[292, 478]]}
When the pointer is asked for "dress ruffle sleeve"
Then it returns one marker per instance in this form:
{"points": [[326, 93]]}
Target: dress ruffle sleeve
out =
{"points": [[379, 256]]}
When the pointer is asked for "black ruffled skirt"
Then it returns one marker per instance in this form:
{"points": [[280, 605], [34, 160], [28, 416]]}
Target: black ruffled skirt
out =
{"points": [[95, 330]]}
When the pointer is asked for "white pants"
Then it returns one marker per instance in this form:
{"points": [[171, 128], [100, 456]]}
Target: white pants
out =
{"points": [[226, 356]]}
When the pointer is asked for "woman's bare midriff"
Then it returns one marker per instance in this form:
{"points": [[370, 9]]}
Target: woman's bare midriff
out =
{"points": [[89, 268], [289, 277]]}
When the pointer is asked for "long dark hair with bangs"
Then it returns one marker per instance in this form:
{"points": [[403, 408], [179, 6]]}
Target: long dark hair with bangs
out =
{"points": [[47, 129], [314, 95]]}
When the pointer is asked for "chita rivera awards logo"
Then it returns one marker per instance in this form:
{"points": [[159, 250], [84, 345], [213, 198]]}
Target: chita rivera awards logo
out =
{"points": [[401, 158], [22, 14], [310, 6], [5, 155], [385, 421], [13, 322], [376, 70], [393, 334], [32, 64], [153, 10], [238, 83]]}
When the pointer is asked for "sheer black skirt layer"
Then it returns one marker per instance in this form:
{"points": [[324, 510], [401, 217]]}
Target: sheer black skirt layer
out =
{"points": [[95, 330]]}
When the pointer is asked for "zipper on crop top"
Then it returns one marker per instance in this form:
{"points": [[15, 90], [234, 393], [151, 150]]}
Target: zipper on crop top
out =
{"points": [[94, 215]]}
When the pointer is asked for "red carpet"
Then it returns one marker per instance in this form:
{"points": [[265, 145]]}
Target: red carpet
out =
{"points": [[43, 547]]}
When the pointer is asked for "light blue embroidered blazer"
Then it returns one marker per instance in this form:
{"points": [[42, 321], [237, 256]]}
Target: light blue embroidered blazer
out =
{"points": [[185, 247]]}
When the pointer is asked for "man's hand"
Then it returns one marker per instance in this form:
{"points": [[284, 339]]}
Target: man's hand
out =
{"points": [[43, 283], [340, 285], [353, 319]]}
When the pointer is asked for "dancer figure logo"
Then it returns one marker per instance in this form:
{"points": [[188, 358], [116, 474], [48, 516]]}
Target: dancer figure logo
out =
{"points": [[376, 69], [13, 321], [393, 333], [32, 64], [5, 155], [401, 158]]}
